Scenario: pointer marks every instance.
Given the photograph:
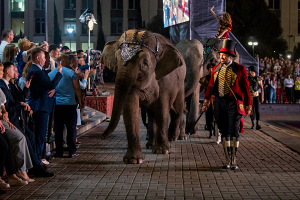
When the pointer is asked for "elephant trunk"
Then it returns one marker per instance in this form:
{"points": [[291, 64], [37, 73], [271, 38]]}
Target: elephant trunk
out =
{"points": [[193, 75], [122, 88]]}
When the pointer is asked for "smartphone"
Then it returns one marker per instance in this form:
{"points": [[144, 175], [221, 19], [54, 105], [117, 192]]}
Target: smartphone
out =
{"points": [[30, 78]]}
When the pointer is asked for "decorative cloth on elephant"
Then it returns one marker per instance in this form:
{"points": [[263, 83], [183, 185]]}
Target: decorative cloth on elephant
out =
{"points": [[224, 80], [208, 48], [127, 53]]}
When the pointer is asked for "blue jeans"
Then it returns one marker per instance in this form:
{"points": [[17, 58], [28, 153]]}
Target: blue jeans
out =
{"points": [[272, 95]]}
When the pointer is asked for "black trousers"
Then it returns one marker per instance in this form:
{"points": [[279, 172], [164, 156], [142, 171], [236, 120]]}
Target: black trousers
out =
{"points": [[227, 117], [289, 96], [65, 115], [6, 157], [255, 108], [209, 117]]}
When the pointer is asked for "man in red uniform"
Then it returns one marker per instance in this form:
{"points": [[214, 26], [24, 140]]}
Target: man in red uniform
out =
{"points": [[229, 80]]}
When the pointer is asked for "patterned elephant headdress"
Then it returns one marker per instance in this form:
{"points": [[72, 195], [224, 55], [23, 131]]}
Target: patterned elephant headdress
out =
{"points": [[127, 52]]}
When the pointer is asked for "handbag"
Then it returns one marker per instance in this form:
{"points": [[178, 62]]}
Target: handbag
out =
{"points": [[240, 105]]}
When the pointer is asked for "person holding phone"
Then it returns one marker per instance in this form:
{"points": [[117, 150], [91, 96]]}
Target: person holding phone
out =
{"points": [[41, 97]]}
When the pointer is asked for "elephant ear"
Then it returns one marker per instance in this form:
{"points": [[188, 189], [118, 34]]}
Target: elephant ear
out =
{"points": [[169, 60], [108, 56]]}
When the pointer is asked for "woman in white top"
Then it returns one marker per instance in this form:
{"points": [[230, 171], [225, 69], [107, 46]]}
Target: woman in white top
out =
{"points": [[288, 84], [273, 90]]}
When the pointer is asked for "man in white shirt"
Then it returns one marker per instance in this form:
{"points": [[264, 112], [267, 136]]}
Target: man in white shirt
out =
{"points": [[8, 37], [54, 53]]}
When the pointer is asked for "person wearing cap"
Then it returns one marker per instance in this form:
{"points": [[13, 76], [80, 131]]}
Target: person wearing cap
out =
{"points": [[209, 113], [254, 83], [228, 83]]}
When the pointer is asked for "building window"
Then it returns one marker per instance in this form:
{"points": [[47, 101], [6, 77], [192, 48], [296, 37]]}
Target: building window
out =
{"points": [[70, 4], [274, 4], [85, 46], [116, 25], [17, 26], [71, 45], [40, 4], [40, 25], [133, 4], [69, 25], [117, 4], [298, 26], [299, 4], [132, 23], [18, 5], [87, 4]]}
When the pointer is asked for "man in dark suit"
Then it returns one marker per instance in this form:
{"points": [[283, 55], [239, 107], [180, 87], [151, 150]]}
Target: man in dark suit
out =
{"points": [[41, 96], [13, 107]]}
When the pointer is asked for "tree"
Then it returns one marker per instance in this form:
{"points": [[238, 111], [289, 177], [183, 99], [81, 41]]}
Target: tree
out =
{"points": [[156, 25], [57, 31], [101, 39], [253, 18]]}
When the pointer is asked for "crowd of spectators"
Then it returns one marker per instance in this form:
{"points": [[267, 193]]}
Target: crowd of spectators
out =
{"points": [[39, 85], [281, 80]]}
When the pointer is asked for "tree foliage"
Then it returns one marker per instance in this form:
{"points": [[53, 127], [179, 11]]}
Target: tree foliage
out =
{"points": [[100, 39], [57, 31], [156, 25], [253, 18]]}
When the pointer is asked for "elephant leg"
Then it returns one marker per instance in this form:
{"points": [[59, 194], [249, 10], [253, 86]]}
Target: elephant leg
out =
{"points": [[162, 109], [193, 111], [176, 116], [182, 135], [131, 115], [151, 132]]}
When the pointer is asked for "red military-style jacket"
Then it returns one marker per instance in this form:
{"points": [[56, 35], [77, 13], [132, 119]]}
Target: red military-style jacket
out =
{"points": [[239, 84]]}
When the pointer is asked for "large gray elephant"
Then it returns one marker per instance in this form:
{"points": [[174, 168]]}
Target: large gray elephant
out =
{"points": [[150, 74], [192, 52], [211, 46]]}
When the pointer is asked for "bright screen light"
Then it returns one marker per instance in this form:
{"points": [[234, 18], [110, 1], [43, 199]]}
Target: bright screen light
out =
{"points": [[175, 12]]}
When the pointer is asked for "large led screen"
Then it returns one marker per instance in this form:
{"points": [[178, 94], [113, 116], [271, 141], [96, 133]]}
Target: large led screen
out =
{"points": [[175, 12]]}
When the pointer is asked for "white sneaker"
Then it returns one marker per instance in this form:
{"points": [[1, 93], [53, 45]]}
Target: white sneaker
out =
{"points": [[44, 161], [17, 182], [3, 184], [219, 139]]}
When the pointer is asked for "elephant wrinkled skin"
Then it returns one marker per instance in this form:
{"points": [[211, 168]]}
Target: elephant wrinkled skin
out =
{"points": [[192, 52], [156, 85]]}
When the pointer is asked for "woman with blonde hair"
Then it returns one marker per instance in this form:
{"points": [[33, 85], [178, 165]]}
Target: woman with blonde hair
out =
{"points": [[22, 81], [225, 24], [9, 53]]}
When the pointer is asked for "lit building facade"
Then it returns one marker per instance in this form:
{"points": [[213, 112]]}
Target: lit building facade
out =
{"points": [[27, 18]]}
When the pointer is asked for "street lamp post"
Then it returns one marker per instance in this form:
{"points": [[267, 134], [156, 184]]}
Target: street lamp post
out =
{"points": [[70, 30], [253, 44]]}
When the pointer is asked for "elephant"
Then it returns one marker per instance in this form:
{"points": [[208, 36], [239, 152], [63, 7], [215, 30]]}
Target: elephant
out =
{"points": [[192, 52], [150, 74], [211, 47]]}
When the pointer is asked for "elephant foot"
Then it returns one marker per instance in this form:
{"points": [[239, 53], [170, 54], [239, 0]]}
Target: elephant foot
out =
{"points": [[134, 158], [104, 135], [149, 145], [161, 149], [183, 137], [172, 139]]}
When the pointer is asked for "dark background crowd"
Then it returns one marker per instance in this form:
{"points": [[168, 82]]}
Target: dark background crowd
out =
{"points": [[280, 80]]}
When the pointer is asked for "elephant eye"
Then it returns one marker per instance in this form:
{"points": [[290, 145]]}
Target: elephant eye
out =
{"points": [[144, 66]]}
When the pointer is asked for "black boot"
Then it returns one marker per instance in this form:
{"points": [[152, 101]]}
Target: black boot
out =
{"points": [[234, 144], [257, 125], [253, 123], [227, 151], [211, 133]]}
